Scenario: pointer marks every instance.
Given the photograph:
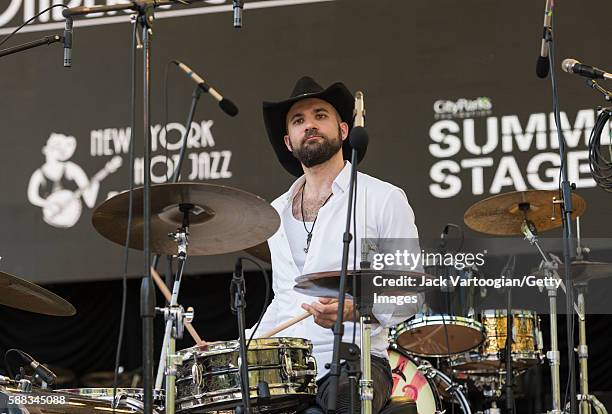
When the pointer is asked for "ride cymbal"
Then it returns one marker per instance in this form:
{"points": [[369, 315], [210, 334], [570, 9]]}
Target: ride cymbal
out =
{"points": [[20, 294], [221, 219], [503, 214]]}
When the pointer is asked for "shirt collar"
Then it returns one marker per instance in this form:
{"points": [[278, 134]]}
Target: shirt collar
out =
{"points": [[341, 182]]}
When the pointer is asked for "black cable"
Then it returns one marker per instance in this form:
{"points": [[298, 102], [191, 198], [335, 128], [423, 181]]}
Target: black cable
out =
{"points": [[7, 37], [6, 361], [601, 167], [129, 222], [355, 261], [267, 297]]}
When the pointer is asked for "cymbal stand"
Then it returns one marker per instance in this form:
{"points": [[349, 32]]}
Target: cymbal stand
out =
{"points": [[175, 316], [585, 400], [553, 356]]}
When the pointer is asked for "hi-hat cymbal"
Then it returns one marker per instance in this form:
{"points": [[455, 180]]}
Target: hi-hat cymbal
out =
{"points": [[20, 294], [503, 214], [325, 284], [223, 219]]}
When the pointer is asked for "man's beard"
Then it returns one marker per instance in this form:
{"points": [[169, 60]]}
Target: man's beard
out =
{"points": [[315, 153]]}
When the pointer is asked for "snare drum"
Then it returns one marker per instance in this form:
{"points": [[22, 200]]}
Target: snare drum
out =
{"points": [[526, 347], [209, 377]]}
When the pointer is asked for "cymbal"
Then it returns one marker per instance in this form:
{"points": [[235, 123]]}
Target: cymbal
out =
{"points": [[261, 251], [503, 214], [223, 219], [325, 284], [21, 294], [584, 271]]}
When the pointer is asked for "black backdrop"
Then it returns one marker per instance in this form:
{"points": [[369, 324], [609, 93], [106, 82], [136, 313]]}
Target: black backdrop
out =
{"points": [[410, 58], [415, 61]]}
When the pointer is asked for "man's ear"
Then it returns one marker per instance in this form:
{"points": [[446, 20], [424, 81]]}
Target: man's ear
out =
{"points": [[344, 129], [288, 143]]}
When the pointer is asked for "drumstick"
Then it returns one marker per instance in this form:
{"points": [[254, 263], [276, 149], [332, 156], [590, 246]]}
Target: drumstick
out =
{"points": [[164, 290], [285, 325]]}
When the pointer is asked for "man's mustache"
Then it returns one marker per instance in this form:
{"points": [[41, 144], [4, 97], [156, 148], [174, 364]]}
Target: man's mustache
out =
{"points": [[313, 133]]}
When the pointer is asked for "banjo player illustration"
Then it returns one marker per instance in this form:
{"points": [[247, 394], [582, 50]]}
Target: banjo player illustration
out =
{"points": [[59, 184]]}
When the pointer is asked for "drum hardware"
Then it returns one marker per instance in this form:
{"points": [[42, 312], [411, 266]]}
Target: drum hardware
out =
{"points": [[187, 322], [174, 314], [525, 213], [585, 400]]}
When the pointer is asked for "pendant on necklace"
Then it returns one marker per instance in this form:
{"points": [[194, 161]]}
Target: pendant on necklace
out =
{"points": [[308, 238]]}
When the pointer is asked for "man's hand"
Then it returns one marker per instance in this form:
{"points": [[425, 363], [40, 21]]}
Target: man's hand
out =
{"points": [[326, 309]]}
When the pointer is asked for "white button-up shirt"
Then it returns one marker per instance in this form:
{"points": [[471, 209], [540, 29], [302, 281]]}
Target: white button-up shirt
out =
{"points": [[388, 216]]}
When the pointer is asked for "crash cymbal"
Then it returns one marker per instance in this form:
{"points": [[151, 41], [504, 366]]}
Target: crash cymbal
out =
{"points": [[20, 294], [503, 214], [223, 219], [261, 251], [584, 271], [325, 284]]}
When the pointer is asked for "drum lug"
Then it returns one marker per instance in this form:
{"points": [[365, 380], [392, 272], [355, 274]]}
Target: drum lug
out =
{"points": [[287, 366], [197, 375]]}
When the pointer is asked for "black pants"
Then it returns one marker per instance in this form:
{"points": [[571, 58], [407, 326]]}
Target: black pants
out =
{"points": [[382, 382]]}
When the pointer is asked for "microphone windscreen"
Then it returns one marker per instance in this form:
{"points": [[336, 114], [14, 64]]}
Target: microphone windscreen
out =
{"points": [[542, 67], [228, 107], [358, 138]]}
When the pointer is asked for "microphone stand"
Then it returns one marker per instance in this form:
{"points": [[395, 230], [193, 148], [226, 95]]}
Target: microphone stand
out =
{"points": [[47, 40], [566, 192], [509, 342], [338, 329], [146, 18], [237, 305]]}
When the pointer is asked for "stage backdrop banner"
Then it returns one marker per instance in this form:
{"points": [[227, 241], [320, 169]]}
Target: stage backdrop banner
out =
{"points": [[455, 111]]}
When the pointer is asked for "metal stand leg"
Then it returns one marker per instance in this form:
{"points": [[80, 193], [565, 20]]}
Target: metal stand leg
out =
{"points": [[366, 388], [585, 401], [553, 356]]}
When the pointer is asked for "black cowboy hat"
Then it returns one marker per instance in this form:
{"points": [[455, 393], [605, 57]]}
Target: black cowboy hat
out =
{"points": [[275, 114]]}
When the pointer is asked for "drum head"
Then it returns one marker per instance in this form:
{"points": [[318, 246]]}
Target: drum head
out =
{"points": [[439, 335]]}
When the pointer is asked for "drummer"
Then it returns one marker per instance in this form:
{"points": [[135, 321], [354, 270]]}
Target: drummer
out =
{"points": [[308, 132]]}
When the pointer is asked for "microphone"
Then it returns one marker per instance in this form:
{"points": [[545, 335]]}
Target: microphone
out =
{"points": [[591, 72], [358, 137], [238, 5], [68, 42], [543, 65], [43, 372], [225, 104]]}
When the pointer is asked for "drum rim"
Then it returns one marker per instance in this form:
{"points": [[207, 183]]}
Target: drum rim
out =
{"points": [[492, 313], [256, 344], [438, 320]]}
